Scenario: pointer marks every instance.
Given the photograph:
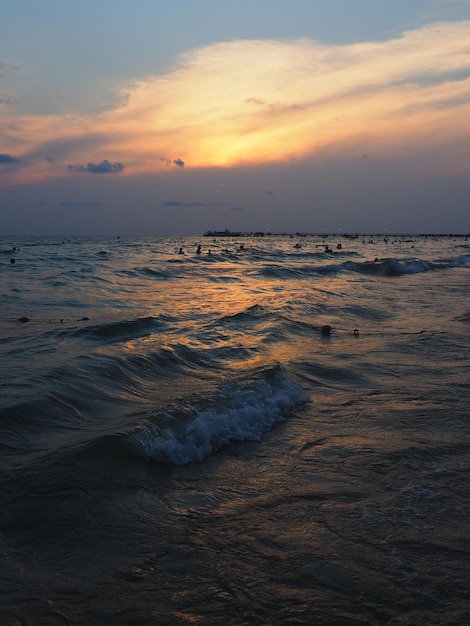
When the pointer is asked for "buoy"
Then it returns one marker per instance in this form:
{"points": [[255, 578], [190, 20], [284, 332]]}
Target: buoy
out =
{"points": [[326, 329]]}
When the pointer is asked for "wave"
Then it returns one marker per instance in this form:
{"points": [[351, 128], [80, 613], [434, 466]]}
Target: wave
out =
{"points": [[398, 267], [279, 271], [146, 272], [300, 271], [105, 385], [462, 261], [377, 267], [123, 330], [465, 317], [242, 410], [254, 311], [389, 266], [180, 431]]}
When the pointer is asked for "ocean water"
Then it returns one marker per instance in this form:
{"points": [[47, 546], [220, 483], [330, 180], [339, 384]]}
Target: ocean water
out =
{"points": [[183, 442]]}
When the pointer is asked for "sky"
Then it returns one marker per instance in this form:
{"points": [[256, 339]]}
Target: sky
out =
{"points": [[157, 118]]}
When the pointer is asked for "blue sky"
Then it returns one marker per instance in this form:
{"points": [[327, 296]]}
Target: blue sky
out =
{"points": [[157, 118]]}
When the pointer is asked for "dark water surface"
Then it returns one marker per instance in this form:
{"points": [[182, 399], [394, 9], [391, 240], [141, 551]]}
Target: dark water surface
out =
{"points": [[180, 443]]}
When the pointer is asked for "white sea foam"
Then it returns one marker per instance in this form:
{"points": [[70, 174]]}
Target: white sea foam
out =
{"points": [[242, 413]]}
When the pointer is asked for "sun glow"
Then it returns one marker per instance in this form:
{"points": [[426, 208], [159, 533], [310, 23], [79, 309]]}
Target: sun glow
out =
{"points": [[250, 102]]}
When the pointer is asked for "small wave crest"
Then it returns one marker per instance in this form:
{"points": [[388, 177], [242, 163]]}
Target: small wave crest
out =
{"points": [[240, 411], [253, 312], [119, 330], [390, 266], [465, 317], [278, 271], [454, 262], [302, 271]]}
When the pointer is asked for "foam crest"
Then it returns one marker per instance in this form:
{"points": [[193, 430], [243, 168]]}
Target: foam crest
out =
{"points": [[241, 411]]}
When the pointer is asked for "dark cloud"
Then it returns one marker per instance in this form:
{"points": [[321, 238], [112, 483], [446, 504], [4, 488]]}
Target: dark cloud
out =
{"points": [[8, 158], [105, 167], [178, 162]]}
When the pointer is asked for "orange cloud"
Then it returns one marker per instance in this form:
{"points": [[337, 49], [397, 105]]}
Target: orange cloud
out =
{"points": [[249, 102]]}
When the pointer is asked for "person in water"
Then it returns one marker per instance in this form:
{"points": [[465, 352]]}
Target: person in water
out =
{"points": [[199, 250]]}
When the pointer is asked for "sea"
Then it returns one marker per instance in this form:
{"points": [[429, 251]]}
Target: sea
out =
{"points": [[274, 430]]}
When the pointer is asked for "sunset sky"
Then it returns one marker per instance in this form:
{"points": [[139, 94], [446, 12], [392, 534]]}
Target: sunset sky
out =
{"points": [[158, 118]]}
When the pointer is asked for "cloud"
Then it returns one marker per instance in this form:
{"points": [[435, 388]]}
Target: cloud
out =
{"points": [[5, 69], [8, 158], [249, 103], [105, 167]]}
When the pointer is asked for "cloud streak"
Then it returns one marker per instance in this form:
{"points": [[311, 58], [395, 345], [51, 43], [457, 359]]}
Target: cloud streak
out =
{"points": [[252, 102], [105, 167], [8, 158]]}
